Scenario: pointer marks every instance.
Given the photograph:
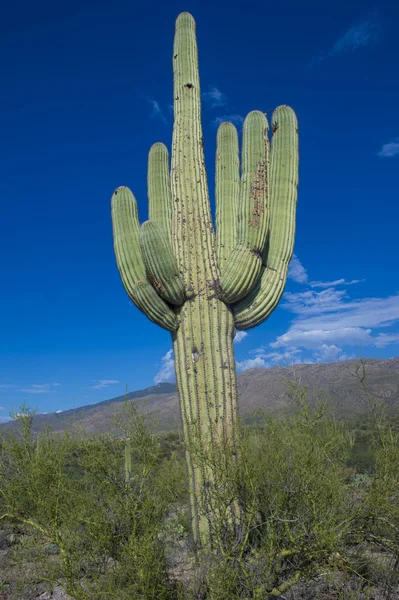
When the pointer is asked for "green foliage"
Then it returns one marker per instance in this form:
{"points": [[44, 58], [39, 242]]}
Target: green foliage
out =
{"points": [[305, 516]]}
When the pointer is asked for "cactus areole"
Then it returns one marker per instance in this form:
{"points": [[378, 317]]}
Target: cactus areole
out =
{"points": [[203, 285]]}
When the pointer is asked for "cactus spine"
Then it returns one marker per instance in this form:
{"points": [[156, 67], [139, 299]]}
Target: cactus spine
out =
{"points": [[198, 285]]}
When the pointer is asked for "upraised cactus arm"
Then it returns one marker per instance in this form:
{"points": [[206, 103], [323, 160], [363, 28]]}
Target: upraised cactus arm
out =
{"points": [[260, 303], [126, 230], [242, 269], [158, 185]]}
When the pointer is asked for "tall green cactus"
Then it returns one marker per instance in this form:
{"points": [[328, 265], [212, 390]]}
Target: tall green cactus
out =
{"points": [[198, 285]]}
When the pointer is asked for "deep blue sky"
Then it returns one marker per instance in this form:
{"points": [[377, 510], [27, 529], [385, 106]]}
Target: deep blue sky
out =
{"points": [[86, 90]]}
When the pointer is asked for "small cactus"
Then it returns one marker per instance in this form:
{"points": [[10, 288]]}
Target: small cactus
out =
{"points": [[128, 460], [199, 285]]}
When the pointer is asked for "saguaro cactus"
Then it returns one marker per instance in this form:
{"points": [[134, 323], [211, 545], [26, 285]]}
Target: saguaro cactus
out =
{"points": [[198, 285]]}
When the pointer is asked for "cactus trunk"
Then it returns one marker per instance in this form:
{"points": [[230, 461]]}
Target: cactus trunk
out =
{"points": [[200, 286], [206, 380]]}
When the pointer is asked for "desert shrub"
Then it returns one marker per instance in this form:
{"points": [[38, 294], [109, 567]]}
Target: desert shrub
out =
{"points": [[103, 530], [305, 518]]}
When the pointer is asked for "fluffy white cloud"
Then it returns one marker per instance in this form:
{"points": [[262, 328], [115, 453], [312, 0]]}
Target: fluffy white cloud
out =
{"points": [[240, 335], [251, 363], [313, 339], [296, 271], [389, 150], [330, 353], [167, 371]]}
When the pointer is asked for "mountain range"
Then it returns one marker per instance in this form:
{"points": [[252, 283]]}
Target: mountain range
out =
{"points": [[264, 389]]}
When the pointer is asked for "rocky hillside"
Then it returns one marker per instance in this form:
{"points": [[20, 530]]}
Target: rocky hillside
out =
{"points": [[258, 389]]}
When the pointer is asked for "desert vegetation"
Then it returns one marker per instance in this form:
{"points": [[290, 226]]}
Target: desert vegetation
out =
{"points": [[107, 516]]}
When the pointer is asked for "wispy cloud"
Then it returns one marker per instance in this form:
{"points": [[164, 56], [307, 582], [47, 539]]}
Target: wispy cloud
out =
{"points": [[240, 335], [6, 386], [214, 97], [5, 419], [327, 284], [235, 119], [156, 111], [167, 371], [42, 388], [332, 317], [327, 324], [362, 33], [102, 384], [296, 271], [389, 150]]}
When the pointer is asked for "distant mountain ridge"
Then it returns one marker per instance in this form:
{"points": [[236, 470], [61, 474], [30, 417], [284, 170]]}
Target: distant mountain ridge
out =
{"points": [[257, 389]]}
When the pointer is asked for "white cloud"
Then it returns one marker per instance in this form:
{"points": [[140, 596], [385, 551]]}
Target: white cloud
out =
{"points": [[361, 34], [384, 339], [6, 386], [313, 339], [296, 271], [42, 388], [167, 370], [330, 353], [389, 150], [234, 118], [327, 284], [240, 335], [251, 363], [156, 110], [214, 97], [102, 384], [331, 309], [311, 302], [364, 32], [5, 419], [57, 412], [331, 317], [288, 357]]}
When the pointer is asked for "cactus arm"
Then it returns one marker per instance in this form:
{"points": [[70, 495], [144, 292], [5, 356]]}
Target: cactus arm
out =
{"points": [[227, 191], [148, 301], [244, 266], [126, 227], [158, 184], [160, 263], [261, 302]]}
